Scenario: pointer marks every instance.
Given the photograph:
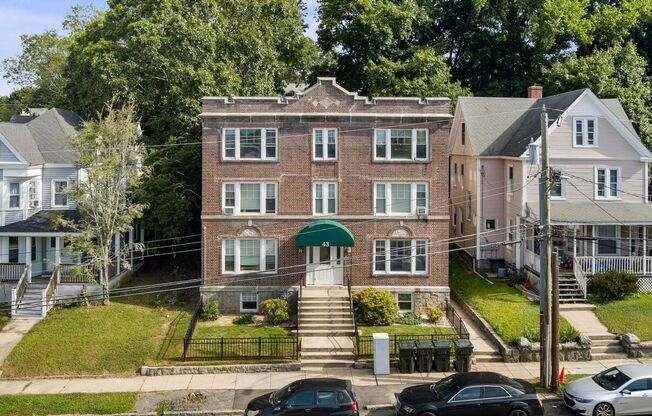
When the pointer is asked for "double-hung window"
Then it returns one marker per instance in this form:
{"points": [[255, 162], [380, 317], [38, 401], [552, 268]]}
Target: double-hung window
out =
{"points": [[401, 144], [585, 132], [249, 302], [324, 198], [59, 193], [14, 194], [557, 184], [607, 183], [250, 198], [249, 143], [400, 198], [246, 256], [400, 257], [324, 144], [510, 179]]}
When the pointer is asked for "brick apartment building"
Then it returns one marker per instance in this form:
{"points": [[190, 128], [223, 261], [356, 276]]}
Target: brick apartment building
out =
{"points": [[322, 187]]}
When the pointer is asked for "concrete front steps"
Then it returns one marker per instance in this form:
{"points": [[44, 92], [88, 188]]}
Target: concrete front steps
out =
{"points": [[326, 328], [29, 306], [606, 347], [487, 357]]}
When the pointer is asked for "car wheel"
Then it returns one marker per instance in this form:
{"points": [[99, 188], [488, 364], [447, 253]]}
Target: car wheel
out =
{"points": [[518, 412], [604, 409]]}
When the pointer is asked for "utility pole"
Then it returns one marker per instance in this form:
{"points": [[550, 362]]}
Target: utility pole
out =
{"points": [[545, 253], [554, 382]]}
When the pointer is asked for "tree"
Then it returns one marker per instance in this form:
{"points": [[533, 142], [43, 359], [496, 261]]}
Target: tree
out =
{"points": [[167, 54], [110, 158], [616, 72]]}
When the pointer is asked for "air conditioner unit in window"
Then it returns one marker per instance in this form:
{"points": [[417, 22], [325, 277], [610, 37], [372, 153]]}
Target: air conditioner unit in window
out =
{"points": [[34, 203], [421, 211], [228, 210]]}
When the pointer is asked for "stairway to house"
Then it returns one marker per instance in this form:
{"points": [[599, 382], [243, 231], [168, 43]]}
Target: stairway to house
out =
{"points": [[29, 306], [606, 347], [569, 289], [326, 328]]}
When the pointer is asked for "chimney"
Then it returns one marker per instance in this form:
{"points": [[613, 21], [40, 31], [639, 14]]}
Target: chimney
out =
{"points": [[535, 91]]}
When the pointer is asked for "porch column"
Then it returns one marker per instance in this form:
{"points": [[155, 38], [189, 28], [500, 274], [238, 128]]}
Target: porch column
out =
{"points": [[141, 240], [117, 254], [131, 247], [593, 245], [57, 250], [645, 249], [28, 254], [4, 249]]}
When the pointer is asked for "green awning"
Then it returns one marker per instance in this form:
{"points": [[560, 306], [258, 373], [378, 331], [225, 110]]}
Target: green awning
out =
{"points": [[325, 233]]}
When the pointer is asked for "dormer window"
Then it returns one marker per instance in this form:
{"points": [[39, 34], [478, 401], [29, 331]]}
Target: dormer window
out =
{"points": [[585, 132]]}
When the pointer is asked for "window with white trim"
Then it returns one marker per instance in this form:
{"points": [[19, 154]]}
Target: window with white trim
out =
{"points": [[400, 257], [585, 132], [324, 144], [250, 198], [248, 255], [510, 230], [557, 184], [607, 241], [249, 143], [607, 183], [33, 194], [510, 178], [59, 193], [248, 302], [401, 144], [14, 194], [324, 198], [405, 303], [400, 198]]}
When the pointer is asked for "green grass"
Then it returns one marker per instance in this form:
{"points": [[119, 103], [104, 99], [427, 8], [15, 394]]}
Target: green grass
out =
{"points": [[47, 404], [103, 340], [208, 330], [4, 318], [406, 330], [633, 315], [505, 308]]}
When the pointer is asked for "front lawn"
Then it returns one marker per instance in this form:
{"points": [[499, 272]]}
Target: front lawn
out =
{"points": [[102, 340], [505, 308], [633, 314], [407, 330], [4, 318], [59, 404], [212, 330]]}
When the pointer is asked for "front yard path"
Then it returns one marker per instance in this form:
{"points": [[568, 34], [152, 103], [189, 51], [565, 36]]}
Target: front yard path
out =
{"points": [[584, 321]]}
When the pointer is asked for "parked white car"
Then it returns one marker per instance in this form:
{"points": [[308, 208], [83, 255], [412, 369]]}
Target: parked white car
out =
{"points": [[621, 390]]}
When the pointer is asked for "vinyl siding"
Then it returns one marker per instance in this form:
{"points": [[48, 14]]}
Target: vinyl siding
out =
{"points": [[50, 174]]}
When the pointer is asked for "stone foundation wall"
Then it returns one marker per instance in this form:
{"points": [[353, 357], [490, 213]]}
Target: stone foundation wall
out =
{"points": [[422, 296], [634, 348], [569, 351], [229, 296]]}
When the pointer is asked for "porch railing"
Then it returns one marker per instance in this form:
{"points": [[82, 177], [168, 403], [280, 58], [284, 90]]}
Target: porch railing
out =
{"points": [[50, 291], [19, 291], [580, 276], [11, 272], [78, 273], [597, 264]]}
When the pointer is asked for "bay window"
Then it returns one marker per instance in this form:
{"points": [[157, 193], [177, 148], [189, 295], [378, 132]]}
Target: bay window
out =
{"points": [[400, 257], [607, 183], [400, 198], [246, 256], [401, 144], [250, 198], [585, 132], [249, 143], [324, 144], [324, 198]]}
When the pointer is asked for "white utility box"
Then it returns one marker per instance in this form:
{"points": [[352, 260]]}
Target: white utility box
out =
{"points": [[381, 353]]}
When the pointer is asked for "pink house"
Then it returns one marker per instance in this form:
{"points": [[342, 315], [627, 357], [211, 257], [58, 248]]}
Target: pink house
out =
{"points": [[599, 208]]}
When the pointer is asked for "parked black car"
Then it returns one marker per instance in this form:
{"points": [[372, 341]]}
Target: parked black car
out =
{"points": [[471, 394], [312, 396]]}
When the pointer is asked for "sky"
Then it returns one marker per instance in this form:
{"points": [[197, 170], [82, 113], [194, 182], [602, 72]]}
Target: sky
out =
{"points": [[19, 17]]}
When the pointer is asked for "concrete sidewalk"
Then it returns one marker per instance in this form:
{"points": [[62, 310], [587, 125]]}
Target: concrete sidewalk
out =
{"points": [[270, 381]]}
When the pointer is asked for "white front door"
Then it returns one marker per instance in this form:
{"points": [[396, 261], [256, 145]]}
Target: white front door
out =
{"points": [[324, 266]]}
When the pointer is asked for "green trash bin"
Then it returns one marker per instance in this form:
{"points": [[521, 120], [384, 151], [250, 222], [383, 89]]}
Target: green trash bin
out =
{"points": [[442, 354], [406, 354], [424, 355], [463, 352]]}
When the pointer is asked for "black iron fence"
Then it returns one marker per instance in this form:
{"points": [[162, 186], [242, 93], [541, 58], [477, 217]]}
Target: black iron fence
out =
{"points": [[237, 349]]}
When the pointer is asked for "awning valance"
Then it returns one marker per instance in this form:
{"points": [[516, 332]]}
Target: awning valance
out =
{"points": [[325, 233]]}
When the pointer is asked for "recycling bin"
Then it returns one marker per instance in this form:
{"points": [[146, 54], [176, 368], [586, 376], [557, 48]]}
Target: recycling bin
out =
{"points": [[424, 355], [463, 352], [442, 354], [406, 354]]}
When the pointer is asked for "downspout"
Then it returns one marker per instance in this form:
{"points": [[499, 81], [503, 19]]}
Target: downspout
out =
{"points": [[479, 179]]}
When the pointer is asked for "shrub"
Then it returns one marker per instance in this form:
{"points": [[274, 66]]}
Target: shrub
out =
{"points": [[275, 310], [532, 334], [612, 285], [210, 311], [434, 314], [375, 307], [243, 319], [568, 334], [409, 318]]}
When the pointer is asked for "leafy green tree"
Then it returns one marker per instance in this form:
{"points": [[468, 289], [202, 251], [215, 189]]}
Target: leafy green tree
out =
{"points": [[616, 72], [170, 53]]}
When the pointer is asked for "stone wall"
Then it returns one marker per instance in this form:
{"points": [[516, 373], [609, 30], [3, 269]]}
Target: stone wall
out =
{"points": [[569, 351], [229, 296], [634, 348]]}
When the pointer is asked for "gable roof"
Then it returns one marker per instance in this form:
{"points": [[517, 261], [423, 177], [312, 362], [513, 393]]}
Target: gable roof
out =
{"points": [[46, 138], [503, 126]]}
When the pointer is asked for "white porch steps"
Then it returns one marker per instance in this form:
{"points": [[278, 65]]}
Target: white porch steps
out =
{"points": [[326, 327], [569, 290], [29, 306]]}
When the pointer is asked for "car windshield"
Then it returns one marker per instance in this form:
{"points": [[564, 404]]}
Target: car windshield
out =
{"points": [[281, 394], [444, 388], [611, 379]]}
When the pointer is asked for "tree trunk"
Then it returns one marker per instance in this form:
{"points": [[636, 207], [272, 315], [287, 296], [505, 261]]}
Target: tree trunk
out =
{"points": [[105, 283]]}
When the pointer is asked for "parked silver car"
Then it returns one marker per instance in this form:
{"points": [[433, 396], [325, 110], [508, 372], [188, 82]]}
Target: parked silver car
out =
{"points": [[621, 390]]}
